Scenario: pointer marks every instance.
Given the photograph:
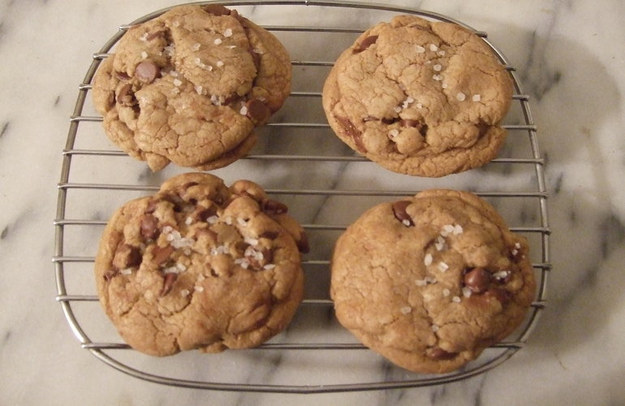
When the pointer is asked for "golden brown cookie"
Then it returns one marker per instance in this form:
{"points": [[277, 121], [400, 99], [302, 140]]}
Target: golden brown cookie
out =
{"points": [[200, 265], [190, 86], [419, 97], [430, 281]]}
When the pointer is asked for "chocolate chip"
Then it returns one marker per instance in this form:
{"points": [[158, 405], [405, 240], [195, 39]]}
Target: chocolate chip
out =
{"points": [[399, 210], [122, 75], [477, 279], [147, 71], [168, 283], [366, 43], [161, 254], [302, 243], [216, 10], [502, 295], [127, 256], [271, 206], [125, 96], [353, 133], [437, 353], [270, 235], [257, 111], [149, 227]]}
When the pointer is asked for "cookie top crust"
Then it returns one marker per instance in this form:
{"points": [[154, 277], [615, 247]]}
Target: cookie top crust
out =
{"points": [[200, 265], [419, 97], [430, 281], [190, 86]]}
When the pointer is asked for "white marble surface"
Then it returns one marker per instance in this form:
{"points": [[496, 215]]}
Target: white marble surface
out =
{"points": [[570, 58]]}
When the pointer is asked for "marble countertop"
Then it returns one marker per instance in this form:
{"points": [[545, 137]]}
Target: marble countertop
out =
{"points": [[569, 58]]}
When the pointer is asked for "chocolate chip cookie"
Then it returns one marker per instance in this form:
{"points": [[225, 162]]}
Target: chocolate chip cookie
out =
{"points": [[200, 265], [190, 87], [430, 281], [419, 97]]}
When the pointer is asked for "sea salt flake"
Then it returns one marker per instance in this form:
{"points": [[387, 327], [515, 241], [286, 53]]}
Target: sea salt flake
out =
{"points": [[241, 221], [144, 37], [199, 288], [441, 53], [421, 282], [251, 241], [212, 219], [455, 299], [393, 133], [420, 49], [220, 64], [405, 310], [269, 267], [419, 105], [196, 46], [427, 260], [126, 271], [199, 89], [181, 267], [184, 292], [435, 328], [397, 109], [438, 67], [243, 111], [458, 229], [447, 229], [433, 48], [144, 55], [443, 267], [177, 82], [466, 291], [218, 41], [476, 98], [228, 33], [444, 85], [437, 77], [446, 292], [461, 96], [406, 222]]}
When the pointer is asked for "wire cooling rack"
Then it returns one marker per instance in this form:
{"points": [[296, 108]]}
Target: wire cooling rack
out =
{"points": [[326, 186]]}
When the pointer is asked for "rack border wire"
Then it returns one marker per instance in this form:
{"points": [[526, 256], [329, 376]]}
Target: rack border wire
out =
{"points": [[101, 349]]}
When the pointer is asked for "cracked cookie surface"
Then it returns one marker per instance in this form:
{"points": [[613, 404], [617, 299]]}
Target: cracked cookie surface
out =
{"points": [[419, 97], [430, 281], [200, 265], [190, 86]]}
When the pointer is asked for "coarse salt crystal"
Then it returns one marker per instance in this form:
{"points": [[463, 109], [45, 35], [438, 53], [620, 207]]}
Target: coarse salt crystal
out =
{"points": [[199, 289], [433, 48], [419, 105], [447, 229], [420, 282], [461, 96], [196, 46], [476, 98], [466, 291], [228, 33], [181, 267], [437, 77], [177, 82], [188, 221], [184, 292], [406, 222], [199, 89], [251, 241], [443, 267], [437, 67], [241, 221], [427, 260], [243, 110], [441, 53], [446, 292], [393, 133], [444, 85], [397, 109], [435, 328], [144, 37], [219, 64], [269, 267], [501, 275], [405, 310], [440, 243], [420, 49], [218, 41], [126, 271], [458, 229], [517, 245], [212, 219], [455, 299], [144, 55]]}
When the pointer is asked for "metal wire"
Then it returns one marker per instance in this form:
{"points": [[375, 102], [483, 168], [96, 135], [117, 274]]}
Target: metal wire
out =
{"points": [[66, 228]]}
